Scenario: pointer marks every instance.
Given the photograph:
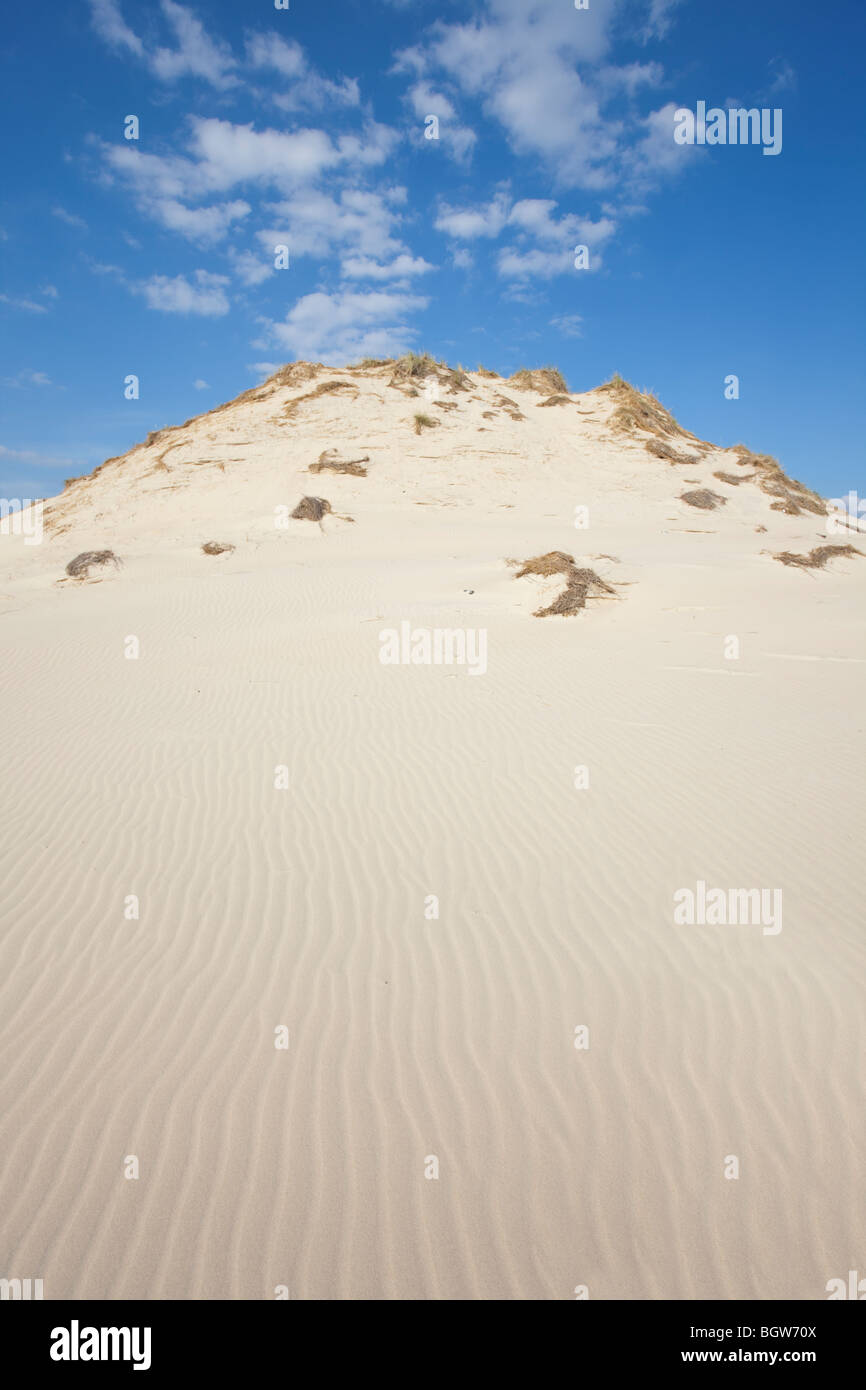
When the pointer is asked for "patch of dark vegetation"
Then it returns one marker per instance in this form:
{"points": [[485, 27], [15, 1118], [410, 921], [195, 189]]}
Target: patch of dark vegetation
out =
{"points": [[703, 499], [80, 567], [424, 422], [580, 584], [311, 509], [555, 400], [817, 558], [328, 461], [217, 547]]}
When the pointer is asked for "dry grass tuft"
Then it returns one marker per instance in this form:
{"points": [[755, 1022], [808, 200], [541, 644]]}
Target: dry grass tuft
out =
{"points": [[424, 422], [554, 400], [545, 380], [580, 583], [328, 461], [661, 450], [817, 558], [311, 509], [217, 547], [324, 388], [483, 371], [732, 478], [80, 567], [703, 499], [792, 497]]}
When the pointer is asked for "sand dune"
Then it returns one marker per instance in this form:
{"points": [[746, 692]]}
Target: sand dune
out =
{"points": [[306, 906]]}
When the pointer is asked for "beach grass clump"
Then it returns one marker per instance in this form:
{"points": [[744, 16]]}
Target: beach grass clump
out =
{"points": [[580, 583], [791, 497], [703, 499], [424, 422], [547, 381], [817, 558], [80, 567], [217, 547], [311, 509], [328, 461], [659, 449]]}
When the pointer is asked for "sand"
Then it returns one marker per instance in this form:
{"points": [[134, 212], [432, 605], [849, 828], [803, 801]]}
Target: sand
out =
{"points": [[284, 806]]}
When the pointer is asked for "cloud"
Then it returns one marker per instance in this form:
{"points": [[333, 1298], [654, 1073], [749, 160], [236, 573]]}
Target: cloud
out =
{"points": [[308, 87], [357, 221], [110, 25], [465, 224], [402, 267], [544, 244], [659, 19], [783, 77], [205, 224], [249, 268], [195, 54], [456, 139], [29, 305], [205, 297], [569, 325], [200, 385], [27, 377], [70, 218], [341, 327]]}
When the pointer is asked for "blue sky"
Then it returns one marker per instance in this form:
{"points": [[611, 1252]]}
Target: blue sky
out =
{"points": [[306, 127]]}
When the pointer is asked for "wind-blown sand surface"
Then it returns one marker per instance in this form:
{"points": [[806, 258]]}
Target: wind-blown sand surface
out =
{"points": [[408, 1036]]}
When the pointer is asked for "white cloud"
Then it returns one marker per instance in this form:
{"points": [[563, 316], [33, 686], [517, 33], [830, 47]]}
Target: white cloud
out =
{"points": [[195, 54], [249, 268], [456, 139], [200, 385], [338, 328], [111, 26], [402, 267], [29, 305], [177, 296], [312, 223], [205, 224], [465, 224], [70, 218], [659, 19], [27, 377], [569, 325], [309, 88]]}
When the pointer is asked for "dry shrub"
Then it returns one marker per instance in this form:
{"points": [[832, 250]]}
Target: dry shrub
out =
{"points": [[545, 380], [217, 547], [817, 558], [703, 499], [424, 422], [311, 509], [662, 450], [792, 497], [640, 410], [732, 478], [80, 567], [580, 583], [554, 400], [324, 388], [328, 461]]}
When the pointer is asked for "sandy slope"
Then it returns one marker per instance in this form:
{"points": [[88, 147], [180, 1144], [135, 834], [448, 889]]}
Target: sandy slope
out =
{"points": [[305, 907]]}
